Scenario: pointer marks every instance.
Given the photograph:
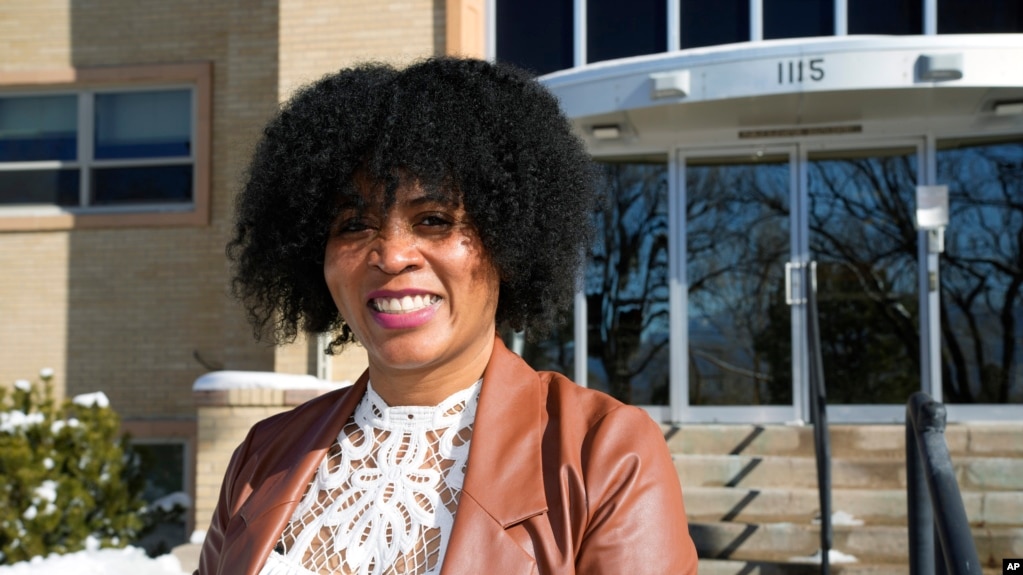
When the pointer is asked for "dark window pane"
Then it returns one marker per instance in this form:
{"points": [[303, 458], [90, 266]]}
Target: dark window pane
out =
{"points": [[34, 128], [979, 16], [798, 18], [713, 22], [54, 187], [535, 34], [626, 285], [143, 124], [163, 467], [617, 30], [896, 17], [737, 243], [142, 185], [981, 279]]}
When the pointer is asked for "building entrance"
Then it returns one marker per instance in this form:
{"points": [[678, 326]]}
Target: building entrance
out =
{"points": [[692, 304], [754, 218]]}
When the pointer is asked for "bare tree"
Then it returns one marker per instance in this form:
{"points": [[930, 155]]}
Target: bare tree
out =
{"points": [[982, 273], [627, 282]]}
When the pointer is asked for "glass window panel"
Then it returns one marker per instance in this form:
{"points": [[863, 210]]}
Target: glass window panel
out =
{"points": [[737, 243], [551, 352], [896, 17], [626, 286], [35, 128], [59, 187], [863, 238], [163, 467], [979, 16], [981, 279], [535, 34], [140, 185], [143, 124], [617, 30], [798, 18], [713, 22]]}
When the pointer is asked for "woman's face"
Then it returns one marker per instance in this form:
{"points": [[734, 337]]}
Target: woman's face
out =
{"points": [[413, 283]]}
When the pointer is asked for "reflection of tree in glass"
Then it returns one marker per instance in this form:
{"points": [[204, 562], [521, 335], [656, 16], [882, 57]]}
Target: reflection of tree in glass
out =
{"points": [[555, 352], [626, 286], [863, 238], [982, 273], [737, 242]]}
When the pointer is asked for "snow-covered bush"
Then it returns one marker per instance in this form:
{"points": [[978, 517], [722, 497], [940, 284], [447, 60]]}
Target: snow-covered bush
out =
{"points": [[66, 475]]}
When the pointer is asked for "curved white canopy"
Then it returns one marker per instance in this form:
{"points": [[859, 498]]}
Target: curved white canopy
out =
{"points": [[825, 83]]}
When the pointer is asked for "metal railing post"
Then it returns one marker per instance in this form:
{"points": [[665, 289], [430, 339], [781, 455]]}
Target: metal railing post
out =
{"points": [[929, 466], [819, 415], [920, 515]]}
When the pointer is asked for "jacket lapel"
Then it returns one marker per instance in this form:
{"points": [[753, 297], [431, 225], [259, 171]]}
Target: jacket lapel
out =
{"points": [[265, 516], [504, 478]]}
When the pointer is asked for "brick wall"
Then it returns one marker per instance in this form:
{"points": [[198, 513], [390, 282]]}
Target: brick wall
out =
{"points": [[321, 36], [33, 317]]}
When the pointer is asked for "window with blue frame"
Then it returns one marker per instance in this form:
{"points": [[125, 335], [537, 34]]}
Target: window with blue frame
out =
{"points": [[95, 149]]}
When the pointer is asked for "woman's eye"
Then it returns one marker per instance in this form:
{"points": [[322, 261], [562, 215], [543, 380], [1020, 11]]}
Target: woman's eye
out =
{"points": [[434, 221], [351, 225]]}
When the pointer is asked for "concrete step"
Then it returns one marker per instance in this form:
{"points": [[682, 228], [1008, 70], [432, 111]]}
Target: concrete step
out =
{"points": [[871, 506], [973, 473], [869, 545], [752, 500], [757, 471], [977, 439], [731, 567]]}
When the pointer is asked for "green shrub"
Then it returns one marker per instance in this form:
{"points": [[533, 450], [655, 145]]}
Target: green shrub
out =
{"points": [[67, 479]]}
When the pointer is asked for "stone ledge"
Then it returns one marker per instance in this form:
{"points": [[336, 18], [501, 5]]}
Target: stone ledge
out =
{"points": [[256, 388]]}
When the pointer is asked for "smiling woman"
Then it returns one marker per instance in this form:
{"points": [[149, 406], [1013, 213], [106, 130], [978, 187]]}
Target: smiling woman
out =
{"points": [[416, 288], [414, 212]]}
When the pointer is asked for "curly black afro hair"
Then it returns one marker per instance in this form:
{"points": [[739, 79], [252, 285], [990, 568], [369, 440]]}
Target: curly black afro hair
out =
{"points": [[489, 132]]}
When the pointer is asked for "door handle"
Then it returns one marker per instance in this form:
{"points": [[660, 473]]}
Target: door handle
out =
{"points": [[795, 291]]}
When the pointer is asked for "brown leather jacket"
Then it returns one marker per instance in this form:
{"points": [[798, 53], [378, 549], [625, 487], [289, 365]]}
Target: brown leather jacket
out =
{"points": [[560, 480]]}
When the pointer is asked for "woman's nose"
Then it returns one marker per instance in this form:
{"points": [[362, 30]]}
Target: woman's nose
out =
{"points": [[395, 250]]}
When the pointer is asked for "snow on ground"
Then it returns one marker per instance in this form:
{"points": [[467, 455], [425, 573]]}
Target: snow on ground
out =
{"points": [[834, 556], [127, 561], [840, 518]]}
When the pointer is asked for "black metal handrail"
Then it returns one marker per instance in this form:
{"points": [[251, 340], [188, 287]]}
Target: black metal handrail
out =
{"points": [[935, 504], [819, 415]]}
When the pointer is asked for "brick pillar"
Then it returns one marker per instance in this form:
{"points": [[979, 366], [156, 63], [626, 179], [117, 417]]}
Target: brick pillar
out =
{"points": [[228, 404]]}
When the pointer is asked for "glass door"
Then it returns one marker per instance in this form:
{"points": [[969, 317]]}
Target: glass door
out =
{"points": [[860, 207], [738, 236], [752, 220]]}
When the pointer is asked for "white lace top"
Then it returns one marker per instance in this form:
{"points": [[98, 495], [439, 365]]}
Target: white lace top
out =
{"points": [[384, 499]]}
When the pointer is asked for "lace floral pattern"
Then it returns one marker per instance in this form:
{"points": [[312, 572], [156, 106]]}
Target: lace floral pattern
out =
{"points": [[383, 501]]}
